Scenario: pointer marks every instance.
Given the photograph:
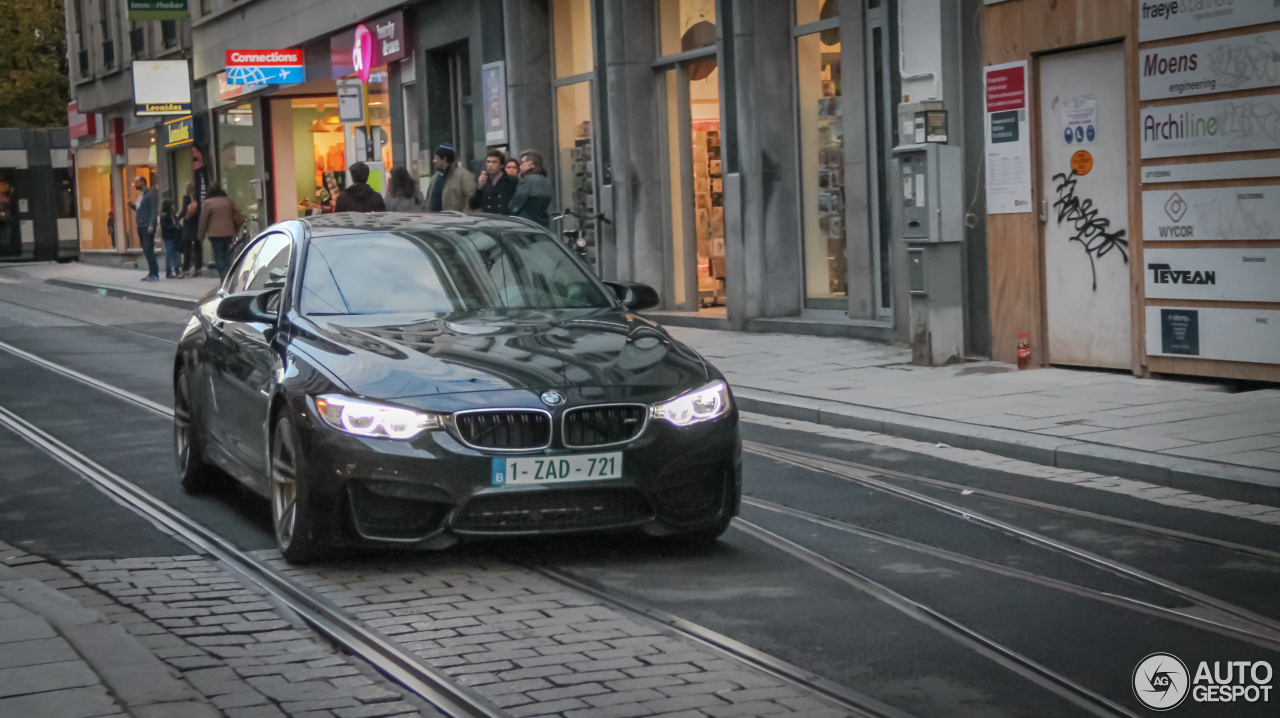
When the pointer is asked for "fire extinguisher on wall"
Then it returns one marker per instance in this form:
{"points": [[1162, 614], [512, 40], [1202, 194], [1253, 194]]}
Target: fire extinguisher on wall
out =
{"points": [[1024, 352]]}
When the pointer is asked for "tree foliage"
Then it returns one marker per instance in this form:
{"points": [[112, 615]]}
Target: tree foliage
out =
{"points": [[33, 64]]}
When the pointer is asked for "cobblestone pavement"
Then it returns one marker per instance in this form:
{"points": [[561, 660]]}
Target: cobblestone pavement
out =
{"points": [[535, 648], [249, 658]]}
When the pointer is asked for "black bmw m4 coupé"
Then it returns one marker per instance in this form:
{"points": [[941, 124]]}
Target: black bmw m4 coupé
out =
{"points": [[394, 379]]}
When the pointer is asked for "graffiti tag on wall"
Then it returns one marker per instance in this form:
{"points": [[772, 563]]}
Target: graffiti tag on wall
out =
{"points": [[1090, 229]]}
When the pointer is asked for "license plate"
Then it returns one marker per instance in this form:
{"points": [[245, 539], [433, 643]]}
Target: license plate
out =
{"points": [[556, 469]]}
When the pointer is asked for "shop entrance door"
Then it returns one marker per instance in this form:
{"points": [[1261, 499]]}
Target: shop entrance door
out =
{"points": [[1085, 206], [694, 190]]}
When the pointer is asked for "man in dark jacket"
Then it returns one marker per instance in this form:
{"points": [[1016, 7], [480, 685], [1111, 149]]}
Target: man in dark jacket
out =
{"points": [[495, 187], [147, 214], [359, 197]]}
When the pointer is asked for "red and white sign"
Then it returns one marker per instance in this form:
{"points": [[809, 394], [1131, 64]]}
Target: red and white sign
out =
{"points": [[264, 58], [79, 125], [362, 53], [1006, 89]]}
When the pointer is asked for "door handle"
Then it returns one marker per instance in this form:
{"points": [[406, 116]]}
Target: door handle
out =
{"points": [[1044, 211]]}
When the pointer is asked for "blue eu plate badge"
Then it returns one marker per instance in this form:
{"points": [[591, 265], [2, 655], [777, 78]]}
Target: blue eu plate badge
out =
{"points": [[499, 472]]}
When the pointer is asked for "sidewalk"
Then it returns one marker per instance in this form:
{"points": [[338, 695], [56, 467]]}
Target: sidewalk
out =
{"points": [[1198, 436], [59, 659]]}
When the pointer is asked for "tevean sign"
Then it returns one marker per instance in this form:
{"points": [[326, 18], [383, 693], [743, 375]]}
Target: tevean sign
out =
{"points": [[1232, 274]]}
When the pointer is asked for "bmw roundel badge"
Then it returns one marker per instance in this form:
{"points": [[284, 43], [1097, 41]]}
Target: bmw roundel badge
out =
{"points": [[552, 398]]}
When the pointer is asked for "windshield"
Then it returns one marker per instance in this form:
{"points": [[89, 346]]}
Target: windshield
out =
{"points": [[443, 271]]}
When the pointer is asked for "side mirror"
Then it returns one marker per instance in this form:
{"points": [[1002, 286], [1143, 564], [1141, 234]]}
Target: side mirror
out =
{"points": [[248, 307], [635, 296]]}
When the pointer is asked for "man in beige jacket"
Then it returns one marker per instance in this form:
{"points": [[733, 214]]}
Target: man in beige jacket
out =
{"points": [[452, 185], [220, 221]]}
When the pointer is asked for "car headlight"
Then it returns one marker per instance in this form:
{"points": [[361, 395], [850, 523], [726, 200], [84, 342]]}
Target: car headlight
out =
{"points": [[366, 418], [705, 404]]}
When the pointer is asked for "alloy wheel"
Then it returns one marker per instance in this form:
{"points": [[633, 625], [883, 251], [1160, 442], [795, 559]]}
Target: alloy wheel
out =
{"points": [[182, 423], [284, 487]]}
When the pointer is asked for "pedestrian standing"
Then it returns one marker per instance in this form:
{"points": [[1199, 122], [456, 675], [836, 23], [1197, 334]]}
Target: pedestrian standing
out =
{"points": [[192, 251], [171, 233], [146, 214], [533, 195], [359, 197], [220, 221], [452, 185], [494, 187], [512, 168], [402, 194]]}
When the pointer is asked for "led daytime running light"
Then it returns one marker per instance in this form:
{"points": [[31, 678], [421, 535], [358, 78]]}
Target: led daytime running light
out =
{"points": [[705, 404], [366, 418]]}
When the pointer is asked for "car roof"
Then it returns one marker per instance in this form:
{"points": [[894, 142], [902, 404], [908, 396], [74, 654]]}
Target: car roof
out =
{"points": [[356, 222]]}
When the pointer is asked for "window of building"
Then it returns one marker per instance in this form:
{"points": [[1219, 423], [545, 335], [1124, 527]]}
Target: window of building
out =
{"points": [[822, 169], [686, 25], [808, 11], [81, 32], [169, 33], [571, 20], [93, 187], [106, 30], [575, 163], [237, 161], [206, 7], [137, 40]]}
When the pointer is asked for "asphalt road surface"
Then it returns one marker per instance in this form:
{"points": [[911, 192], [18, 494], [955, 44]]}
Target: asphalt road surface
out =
{"points": [[922, 583]]}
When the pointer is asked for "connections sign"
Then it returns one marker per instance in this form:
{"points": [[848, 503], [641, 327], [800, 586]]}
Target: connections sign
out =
{"points": [[158, 10], [265, 67]]}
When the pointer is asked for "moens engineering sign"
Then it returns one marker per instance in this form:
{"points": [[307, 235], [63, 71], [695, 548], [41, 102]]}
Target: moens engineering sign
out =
{"points": [[158, 10]]}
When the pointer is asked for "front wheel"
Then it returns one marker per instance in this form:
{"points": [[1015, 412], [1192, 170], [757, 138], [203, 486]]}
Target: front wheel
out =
{"points": [[300, 533], [707, 536], [197, 477]]}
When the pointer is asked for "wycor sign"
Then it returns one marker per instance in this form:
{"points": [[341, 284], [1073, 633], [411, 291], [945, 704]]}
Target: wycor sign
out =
{"points": [[1215, 213], [1222, 274]]}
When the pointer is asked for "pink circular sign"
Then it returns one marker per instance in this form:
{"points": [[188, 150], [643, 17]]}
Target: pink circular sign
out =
{"points": [[362, 53]]}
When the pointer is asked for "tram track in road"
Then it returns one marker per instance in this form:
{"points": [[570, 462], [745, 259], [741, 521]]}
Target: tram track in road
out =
{"points": [[82, 320], [865, 476], [408, 670], [388, 657], [1269, 640]]}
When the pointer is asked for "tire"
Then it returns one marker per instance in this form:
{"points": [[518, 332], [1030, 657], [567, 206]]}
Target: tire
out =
{"points": [[197, 476], [301, 534]]}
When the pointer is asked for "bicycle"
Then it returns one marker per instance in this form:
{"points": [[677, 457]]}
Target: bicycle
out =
{"points": [[574, 238]]}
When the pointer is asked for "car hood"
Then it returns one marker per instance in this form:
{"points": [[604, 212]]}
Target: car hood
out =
{"points": [[391, 356]]}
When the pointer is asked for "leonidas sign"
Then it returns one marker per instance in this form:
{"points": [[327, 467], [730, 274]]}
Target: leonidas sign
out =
{"points": [[390, 42]]}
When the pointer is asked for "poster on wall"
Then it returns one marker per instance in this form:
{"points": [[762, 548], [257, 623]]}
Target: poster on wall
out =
{"points": [[1250, 335], [1175, 18], [1242, 124], [1228, 274], [494, 87], [1008, 141], [1243, 62], [1216, 213]]}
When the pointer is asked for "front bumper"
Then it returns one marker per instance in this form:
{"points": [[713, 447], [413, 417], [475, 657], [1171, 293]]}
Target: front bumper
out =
{"points": [[433, 490]]}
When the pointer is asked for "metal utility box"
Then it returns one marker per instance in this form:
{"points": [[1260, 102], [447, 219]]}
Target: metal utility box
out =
{"points": [[932, 192], [933, 229]]}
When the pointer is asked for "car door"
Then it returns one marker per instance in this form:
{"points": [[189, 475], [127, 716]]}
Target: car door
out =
{"points": [[248, 362], [217, 346]]}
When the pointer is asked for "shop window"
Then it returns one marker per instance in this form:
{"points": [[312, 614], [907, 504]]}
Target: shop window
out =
{"points": [[237, 161], [140, 161], [576, 160], [572, 22], [206, 7], [93, 187], [822, 169], [808, 11], [686, 25]]}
